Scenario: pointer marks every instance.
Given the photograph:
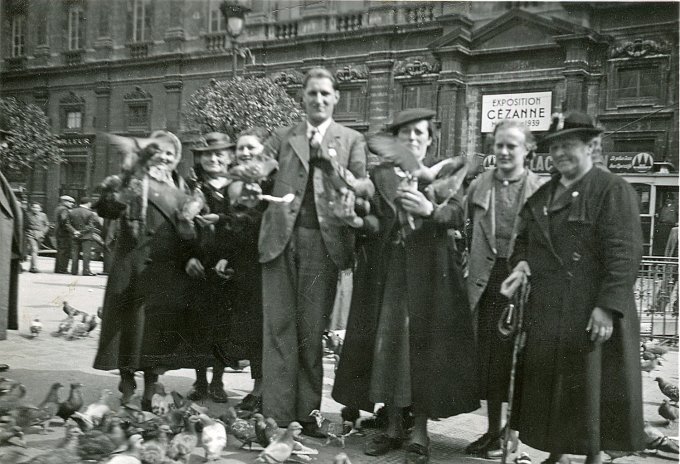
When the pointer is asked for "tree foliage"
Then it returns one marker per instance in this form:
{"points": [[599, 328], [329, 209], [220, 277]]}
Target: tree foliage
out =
{"points": [[32, 144], [237, 104]]}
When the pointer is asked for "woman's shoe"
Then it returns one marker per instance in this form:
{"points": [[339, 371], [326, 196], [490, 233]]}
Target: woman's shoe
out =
{"points": [[417, 453], [199, 393], [382, 444], [479, 445], [495, 448]]}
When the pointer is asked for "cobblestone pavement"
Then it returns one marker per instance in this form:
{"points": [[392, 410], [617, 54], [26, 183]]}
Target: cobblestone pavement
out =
{"points": [[40, 361]]}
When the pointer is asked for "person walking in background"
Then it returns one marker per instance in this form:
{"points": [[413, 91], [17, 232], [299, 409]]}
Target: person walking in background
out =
{"points": [[579, 246], [302, 247], [36, 226], [494, 200], [409, 341], [62, 234], [212, 288], [82, 223]]}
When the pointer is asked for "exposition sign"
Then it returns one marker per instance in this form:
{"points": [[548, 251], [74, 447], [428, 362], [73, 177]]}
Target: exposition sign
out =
{"points": [[533, 109]]}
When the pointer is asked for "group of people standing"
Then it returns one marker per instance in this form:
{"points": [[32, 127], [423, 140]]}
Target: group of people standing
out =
{"points": [[74, 231], [255, 280]]}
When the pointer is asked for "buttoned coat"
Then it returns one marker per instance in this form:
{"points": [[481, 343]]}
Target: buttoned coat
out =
{"points": [[11, 251], [584, 250], [480, 214], [290, 146]]}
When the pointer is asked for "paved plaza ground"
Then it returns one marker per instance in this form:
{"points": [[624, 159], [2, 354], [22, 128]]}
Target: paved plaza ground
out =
{"points": [[40, 361]]}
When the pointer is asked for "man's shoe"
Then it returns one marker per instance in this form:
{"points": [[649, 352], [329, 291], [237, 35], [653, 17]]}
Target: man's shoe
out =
{"points": [[90, 274], [310, 429], [199, 393], [417, 453], [483, 442], [34, 270], [217, 394], [382, 444], [4, 367]]}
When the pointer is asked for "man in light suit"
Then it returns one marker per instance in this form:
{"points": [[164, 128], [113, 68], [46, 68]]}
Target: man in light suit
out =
{"points": [[303, 245]]}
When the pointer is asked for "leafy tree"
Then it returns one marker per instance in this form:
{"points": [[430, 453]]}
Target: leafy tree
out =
{"points": [[237, 104], [33, 144]]}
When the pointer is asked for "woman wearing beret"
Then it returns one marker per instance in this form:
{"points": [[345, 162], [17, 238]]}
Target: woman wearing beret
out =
{"points": [[209, 264], [409, 306], [146, 313], [580, 247], [493, 203]]}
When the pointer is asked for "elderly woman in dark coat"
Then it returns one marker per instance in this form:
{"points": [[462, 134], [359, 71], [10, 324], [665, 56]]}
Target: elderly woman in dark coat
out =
{"points": [[580, 247], [409, 337], [146, 313], [208, 266], [493, 203]]}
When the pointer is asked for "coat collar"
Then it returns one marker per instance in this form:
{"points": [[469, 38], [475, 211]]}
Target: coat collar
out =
{"points": [[387, 182], [300, 143]]}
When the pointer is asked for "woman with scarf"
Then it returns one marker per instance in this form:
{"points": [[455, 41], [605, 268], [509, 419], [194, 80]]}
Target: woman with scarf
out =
{"points": [[409, 305], [146, 314]]}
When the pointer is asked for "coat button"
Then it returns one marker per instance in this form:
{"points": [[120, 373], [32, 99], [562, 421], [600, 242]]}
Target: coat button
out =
{"points": [[570, 274], [576, 256]]}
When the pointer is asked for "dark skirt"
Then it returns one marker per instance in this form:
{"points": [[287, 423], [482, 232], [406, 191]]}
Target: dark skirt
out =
{"points": [[495, 352]]}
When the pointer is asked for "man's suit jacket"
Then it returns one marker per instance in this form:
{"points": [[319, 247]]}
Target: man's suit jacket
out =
{"points": [[290, 146], [83, 220]]}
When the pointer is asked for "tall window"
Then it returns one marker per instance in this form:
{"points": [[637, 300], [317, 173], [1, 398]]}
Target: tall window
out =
{"points": [[639, 82], [18, 35], [76, 28], [216, 19], [417, 96], [139, 20], [74, 119]]}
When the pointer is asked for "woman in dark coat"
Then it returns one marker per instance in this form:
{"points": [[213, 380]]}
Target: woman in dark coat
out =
{"points": [[209, 264], [581, 245], [243, 221], [146, 313], [409, 307]]}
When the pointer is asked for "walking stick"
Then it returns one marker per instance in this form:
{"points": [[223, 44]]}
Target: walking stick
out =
{"points": [[516, 312]]}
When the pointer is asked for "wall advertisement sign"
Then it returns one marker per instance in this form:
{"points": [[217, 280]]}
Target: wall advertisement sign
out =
{"points": [[619, 163], [533, 108]]}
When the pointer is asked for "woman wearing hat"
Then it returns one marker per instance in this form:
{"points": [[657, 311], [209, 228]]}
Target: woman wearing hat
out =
{"points": [[579, 247], [409, 306], [493, 203], [243, 227], [209, 263], [146, 313]]}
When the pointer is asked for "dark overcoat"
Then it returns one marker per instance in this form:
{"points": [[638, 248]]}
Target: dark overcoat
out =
{"points": [[584, 250], [443, 364], [147, 313], [11, 251]]}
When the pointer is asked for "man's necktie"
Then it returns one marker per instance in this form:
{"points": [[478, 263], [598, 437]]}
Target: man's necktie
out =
{"points": [[315, 139]]}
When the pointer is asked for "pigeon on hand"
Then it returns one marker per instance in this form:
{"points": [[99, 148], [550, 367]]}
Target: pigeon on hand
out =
{"points": [[184, 443], [35, 327], [281, 448], [73, 403], [668, 411], [668, 389], [213, 437]]}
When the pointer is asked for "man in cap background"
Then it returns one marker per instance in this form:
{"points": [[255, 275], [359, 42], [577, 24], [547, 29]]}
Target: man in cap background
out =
{"points": [[11, 244], [62, 233], [82, 222], [36, 226]]}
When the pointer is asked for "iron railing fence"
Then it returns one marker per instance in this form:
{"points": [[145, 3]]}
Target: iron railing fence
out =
{"points": [[656, 295]]}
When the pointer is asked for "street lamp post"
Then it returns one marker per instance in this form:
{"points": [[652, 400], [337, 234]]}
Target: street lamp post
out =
{"points": [[234, 15]]}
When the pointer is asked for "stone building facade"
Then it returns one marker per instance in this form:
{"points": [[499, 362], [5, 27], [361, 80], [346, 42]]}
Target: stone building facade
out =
{"points": [[128, 66]]}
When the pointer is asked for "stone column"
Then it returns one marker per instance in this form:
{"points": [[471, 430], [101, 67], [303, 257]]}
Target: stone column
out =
{"points": [[379, 85], [105, 162], [448, 115]]}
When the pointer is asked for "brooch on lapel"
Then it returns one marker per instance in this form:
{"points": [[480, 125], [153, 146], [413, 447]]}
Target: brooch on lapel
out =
{"points": [[331, 151]]}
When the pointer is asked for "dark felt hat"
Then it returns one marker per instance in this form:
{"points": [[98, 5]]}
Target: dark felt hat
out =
{"points": [[408, 116], [213, 141], [573, 122]]}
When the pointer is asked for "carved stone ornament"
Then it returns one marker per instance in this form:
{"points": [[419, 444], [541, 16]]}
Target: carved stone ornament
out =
{"points": [[351, 73], [288, 78], [416, 66], [72, 99], [137, 94], [639, 48]]}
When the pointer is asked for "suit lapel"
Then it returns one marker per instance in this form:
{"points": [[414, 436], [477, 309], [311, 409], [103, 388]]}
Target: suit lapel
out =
{"points": [[538, 204], [482, 198], [300, 144], [387, 183]]}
